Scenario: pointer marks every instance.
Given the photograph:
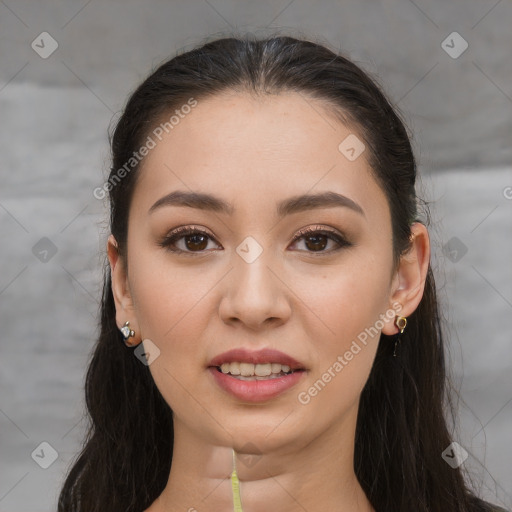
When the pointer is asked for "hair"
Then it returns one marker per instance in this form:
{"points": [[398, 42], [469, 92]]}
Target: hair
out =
{"points": [[402, 426]]}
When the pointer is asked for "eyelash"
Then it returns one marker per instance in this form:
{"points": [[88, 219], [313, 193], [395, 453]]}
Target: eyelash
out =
{"points": [[170, 239]]}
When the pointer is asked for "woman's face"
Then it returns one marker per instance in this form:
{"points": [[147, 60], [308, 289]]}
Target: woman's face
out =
{"points": [[251, 280]]}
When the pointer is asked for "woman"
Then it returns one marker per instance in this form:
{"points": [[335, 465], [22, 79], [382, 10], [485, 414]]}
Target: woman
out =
{"points": [[269, 275]]}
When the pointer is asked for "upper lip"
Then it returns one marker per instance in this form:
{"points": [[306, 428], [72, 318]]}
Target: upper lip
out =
{"points": [[265, 355]]}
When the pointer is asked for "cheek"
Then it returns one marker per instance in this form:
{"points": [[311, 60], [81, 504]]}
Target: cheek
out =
{"points": [[169, 310], [166, 296], [344, 357], [348, 302], [343, 300]]}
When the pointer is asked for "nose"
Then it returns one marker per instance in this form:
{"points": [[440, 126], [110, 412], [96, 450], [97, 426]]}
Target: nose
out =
{"points": [[255, 295]]}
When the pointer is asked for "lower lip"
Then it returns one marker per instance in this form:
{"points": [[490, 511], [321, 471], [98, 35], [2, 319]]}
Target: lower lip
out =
{"points": [[255, 390]]}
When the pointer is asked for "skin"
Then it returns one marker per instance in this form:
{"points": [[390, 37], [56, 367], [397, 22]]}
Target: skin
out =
{"points": [[311, 305]]}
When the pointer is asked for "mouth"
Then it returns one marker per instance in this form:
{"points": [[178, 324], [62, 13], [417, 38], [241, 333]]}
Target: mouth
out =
{"points": [[256, 376], [260, 371]]}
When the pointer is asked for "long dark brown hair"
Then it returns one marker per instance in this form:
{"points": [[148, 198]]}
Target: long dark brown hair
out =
{"points": [[402, 426]]}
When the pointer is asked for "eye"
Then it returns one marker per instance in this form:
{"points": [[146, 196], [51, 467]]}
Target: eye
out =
{"points": [[317, 238], [194, 240]]}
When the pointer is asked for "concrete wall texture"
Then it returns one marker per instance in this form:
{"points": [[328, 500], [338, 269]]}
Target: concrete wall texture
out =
{"points": [[66, 69]]}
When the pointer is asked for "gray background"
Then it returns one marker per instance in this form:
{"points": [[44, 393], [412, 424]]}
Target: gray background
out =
{"points": [[55, 113]]}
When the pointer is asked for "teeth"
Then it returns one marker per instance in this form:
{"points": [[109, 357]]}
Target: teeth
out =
{"points": [[246, 369], [254, 370], [263, 370], [226, 368]]}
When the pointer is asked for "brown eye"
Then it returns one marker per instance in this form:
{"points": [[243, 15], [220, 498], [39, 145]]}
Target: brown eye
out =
{"points": [[317, 240], [192, 240], [196, 242]]}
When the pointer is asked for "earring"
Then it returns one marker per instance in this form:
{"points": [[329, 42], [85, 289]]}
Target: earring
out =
{"points": [[401, 323], [127, 333]]}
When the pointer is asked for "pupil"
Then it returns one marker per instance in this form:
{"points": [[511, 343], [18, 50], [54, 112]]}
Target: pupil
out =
{"points": [[196, 242], [319, 241]]}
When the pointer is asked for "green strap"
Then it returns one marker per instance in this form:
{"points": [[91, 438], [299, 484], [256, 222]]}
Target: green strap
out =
{"points": [[235, 486]]}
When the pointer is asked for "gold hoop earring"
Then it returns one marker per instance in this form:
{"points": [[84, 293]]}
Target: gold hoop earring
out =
{"points": [[401, 323]]}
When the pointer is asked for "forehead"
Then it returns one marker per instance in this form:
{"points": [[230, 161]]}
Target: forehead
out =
{"points": [[234, 143], [289, 124]]}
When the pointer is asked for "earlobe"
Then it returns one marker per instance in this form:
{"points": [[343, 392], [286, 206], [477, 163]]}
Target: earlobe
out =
{"points": [[409, 281]]}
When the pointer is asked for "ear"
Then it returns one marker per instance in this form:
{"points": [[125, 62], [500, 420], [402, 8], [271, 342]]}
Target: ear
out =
{"points": [[408, 282], [125, 310]]}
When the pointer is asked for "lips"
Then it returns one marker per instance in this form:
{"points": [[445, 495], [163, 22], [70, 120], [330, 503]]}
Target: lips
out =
{"points": [[258, 384], [241, 355]]}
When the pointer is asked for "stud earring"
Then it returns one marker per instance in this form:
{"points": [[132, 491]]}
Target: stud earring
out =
{"points": [[127, 333], [401, 323]]}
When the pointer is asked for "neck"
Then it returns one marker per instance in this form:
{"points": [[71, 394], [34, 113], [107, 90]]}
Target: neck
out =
{"points": [[315, 477]]}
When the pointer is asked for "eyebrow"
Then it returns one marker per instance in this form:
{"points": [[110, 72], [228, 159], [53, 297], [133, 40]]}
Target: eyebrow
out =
{"points": [[295, 204]]}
